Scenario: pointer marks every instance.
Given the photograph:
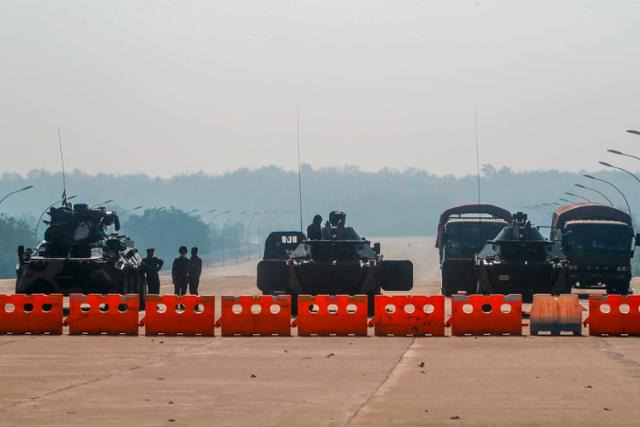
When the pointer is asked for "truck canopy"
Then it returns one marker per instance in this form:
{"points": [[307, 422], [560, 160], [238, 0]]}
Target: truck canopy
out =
{"points": [[473, 208], [587, 211]]}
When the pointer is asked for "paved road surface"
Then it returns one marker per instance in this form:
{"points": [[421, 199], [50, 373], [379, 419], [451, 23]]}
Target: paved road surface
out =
{"points": [[319, 381]]}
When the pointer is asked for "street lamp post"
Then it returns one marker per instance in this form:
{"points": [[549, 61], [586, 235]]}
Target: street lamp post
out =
{"points": [[609, 165], [16, 191], [595, 191], [130, 210], [253, 218], [612, 185], [635, 132], [106, 202], [620, 153], [49, 207], [577, 196]]}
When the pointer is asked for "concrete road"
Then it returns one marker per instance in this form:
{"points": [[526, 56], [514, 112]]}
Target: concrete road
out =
{"points": [[332, 381]]}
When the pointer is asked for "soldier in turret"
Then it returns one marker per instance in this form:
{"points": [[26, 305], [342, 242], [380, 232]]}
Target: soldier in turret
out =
{"points": [[152, 265], [314, 230]]}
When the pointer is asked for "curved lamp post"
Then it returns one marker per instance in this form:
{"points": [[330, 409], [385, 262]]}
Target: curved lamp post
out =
{"points": [[584, 187], [616, 188], [635, 132], [16, 191], [130, 210], [577, 196]]}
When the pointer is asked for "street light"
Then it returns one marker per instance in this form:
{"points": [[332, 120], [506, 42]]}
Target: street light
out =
{"points": [[130, 210], [577, 196], [620, 153], [49, 207], [620, 169], [635, 132], [16, 191], [192, 211], [106, 202], [616, 188], [595, 191], [562, 199]]}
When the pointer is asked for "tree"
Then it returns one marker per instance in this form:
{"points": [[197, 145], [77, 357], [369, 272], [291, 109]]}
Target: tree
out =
{"points": [[13, 232]]}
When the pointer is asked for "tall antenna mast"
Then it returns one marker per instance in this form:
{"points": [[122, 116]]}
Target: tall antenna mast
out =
{"points": [[477, 151], [64, 176], [299, 169]]}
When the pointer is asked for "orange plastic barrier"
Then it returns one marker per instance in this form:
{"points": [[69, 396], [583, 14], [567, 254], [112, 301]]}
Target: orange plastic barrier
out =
{"points": [[31, 314], [614, 315], [325, 315], [402, 315], [103, 314], [555, 314], [486, 314], [179, 315], [256, 315]]}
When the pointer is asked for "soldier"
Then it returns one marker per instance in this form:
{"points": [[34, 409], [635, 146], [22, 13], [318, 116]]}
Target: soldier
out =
{"points": [[195, 269], [152, 265], [180, 272], [314, 230]]}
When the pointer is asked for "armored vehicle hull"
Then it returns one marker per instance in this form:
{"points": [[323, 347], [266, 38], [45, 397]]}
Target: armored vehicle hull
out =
{"points": [[77, 256], [333, 267], [519, 261]]}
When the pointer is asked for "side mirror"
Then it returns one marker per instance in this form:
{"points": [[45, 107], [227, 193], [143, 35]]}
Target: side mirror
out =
{"points": [[376, 248]]}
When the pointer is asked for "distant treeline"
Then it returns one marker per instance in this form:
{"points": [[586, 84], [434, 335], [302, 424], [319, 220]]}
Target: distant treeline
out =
{"points": [[380, 203], [249, 203]]}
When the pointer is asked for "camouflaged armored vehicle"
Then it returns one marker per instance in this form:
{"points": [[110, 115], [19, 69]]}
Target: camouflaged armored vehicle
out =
{"points": [[78, 256], [462, 232], [519, 261], [340, 262]]}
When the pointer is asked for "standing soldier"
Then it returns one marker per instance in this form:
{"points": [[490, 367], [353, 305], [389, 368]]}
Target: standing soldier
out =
{"points": [[151, 266], [195, 269], [180, 272]]}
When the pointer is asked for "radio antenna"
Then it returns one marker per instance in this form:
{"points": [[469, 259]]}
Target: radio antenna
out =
{"points": [[299, 168], [477, 151], [64, 177]]}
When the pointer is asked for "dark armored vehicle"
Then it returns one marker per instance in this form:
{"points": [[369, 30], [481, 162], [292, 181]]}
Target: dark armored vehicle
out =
{"points": [[350, 265], [462, 233], [78, 256], [519, 261], [597, 241]]}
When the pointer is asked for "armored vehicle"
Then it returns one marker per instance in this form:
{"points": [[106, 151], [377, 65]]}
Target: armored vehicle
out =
{"points": [[350, 265], [519, 261], [598, 243], [78, 256], [462, 233]]}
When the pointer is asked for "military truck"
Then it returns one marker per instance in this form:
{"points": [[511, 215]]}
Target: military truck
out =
{"points": [[598, 243], [78, 256], [294, 265], [462, 233], [519, 261]]}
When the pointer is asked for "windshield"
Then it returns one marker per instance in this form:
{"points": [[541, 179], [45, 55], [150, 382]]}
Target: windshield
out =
{"points": [[600, 237], [467, 238]]}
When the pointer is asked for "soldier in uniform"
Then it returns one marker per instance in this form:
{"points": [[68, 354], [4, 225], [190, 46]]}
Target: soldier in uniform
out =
{"points": [[180, 272], [195, 269], [314, 230], [152, 265]]}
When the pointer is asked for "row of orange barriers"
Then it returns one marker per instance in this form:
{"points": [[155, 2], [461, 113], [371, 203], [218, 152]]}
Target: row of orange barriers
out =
{"points": [[321, 315]]}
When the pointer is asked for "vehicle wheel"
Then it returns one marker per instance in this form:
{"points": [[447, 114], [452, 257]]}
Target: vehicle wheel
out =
{"points": [[446, 288], [618, 288]]}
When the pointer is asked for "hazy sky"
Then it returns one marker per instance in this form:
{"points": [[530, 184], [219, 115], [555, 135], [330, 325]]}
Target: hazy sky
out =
{"points": [[164, 87]]}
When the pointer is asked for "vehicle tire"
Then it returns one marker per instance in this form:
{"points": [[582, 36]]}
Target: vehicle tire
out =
{"points": [[619, 287], [446, 288]]}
